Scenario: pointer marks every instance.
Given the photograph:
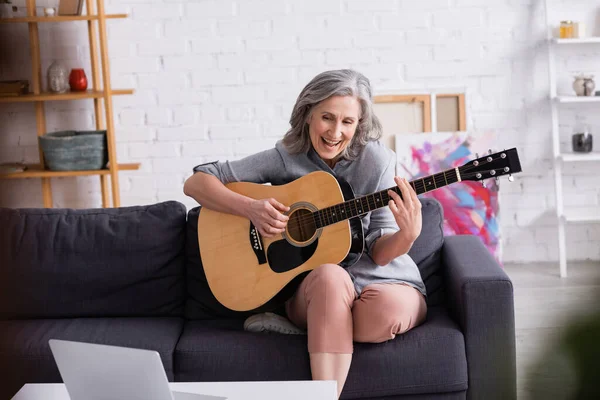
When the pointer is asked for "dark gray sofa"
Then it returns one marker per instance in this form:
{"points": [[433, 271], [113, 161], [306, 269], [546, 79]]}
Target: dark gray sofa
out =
{"points": [[132, 276]]}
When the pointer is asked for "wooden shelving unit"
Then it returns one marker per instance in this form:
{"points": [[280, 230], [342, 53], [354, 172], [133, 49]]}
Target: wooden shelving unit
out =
{"points": [[101, 93]]}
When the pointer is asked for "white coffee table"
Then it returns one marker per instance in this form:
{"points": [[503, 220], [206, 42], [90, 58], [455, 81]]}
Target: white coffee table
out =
{"points": [[289, 390]]}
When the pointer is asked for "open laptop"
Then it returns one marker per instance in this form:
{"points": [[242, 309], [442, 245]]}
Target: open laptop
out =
{"points": [[101, 372]]}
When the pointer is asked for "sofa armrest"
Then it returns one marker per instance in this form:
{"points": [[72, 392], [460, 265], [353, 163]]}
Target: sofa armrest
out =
{"points": [[480, 297]]}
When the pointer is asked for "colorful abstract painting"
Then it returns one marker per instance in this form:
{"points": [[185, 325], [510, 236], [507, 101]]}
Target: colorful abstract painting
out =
{"points": [[469, 207]]}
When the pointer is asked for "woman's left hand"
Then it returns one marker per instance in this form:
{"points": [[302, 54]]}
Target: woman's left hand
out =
{"points": [[406, 210]]}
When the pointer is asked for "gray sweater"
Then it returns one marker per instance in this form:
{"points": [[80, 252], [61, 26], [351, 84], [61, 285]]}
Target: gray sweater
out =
{"points": [[371, 172]]}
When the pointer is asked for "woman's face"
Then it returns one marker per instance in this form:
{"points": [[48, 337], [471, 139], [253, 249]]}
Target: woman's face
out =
{"points": [[332, 125]]}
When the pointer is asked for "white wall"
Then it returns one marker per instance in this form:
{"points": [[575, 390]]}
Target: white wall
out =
{"points": [[217, 79]]}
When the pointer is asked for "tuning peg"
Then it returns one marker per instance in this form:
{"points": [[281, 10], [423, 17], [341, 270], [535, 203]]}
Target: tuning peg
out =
{"points": [[497, 180], [511, 178], [476, 155], [483, 183], [489, 151]]}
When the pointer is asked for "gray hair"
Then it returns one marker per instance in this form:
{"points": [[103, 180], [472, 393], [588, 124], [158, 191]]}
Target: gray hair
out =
{"points": [[343, 82]]}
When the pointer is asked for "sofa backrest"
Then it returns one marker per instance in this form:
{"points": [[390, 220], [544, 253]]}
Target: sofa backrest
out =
{"points": [[114, 262], [426, 252]]}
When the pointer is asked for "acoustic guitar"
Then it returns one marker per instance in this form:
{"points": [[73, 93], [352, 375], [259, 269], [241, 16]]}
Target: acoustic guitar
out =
{"points": [[245, 271]]}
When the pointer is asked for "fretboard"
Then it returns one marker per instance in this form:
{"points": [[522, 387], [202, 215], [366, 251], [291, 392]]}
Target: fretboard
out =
{"points": [[362, 205]]}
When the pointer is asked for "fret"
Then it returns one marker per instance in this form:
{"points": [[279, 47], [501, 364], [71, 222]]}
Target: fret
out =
{"points": [[355, 212], [358, 206], [420, 189], [364, 201], [414, 186], [434, 184], [372, 200], [386, 199], [445, 180], [381, 202]]}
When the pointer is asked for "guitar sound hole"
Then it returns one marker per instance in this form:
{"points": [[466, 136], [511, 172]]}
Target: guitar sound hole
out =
{"points": [[301, 225]]}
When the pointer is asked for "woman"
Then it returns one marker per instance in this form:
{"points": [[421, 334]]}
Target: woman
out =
{"points": [[333, 129]]}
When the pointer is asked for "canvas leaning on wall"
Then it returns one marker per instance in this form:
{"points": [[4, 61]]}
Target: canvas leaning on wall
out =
{"points": [[469, 207]]}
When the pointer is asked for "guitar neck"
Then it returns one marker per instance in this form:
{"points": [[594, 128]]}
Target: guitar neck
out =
{"points": [[362, 205]]}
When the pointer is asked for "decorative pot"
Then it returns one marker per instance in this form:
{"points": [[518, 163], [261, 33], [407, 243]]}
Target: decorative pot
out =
{"points": [[582, 142], [74, 150], [78, 80], [584, 85], [58, 80]]}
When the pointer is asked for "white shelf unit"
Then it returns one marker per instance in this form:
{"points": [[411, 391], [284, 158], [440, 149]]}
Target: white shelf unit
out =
{"points": [[577, 99], [582, 214], [576, 40], [576, 157], [569, 215]]}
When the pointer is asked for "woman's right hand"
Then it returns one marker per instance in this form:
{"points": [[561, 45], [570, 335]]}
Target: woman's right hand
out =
{"points": [[267, 216]]}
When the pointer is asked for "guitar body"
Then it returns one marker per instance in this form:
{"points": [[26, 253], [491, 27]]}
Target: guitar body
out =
{"points": [[245, 271]]}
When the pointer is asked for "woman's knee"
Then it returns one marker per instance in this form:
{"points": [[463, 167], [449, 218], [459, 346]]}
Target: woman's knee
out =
{"points": [[331, 278], [380, 315]]}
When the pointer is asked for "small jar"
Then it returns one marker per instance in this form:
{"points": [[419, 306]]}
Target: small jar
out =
{"points": [[566, 29]]}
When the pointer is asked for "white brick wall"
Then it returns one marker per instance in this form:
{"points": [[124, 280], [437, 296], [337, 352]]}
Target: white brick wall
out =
{"points": [[217, 80]]}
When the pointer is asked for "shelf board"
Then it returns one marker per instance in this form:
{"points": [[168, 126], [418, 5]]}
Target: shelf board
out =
{"points": [[49, 96], [60, 18], [575, 157], [35, 171], [577, 40], [578, 99], [582, 214]]}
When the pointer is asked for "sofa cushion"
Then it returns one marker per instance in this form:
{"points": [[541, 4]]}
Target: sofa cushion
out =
{"points": [[427, 359], [25, 355], [427, 249], [114, 262]]}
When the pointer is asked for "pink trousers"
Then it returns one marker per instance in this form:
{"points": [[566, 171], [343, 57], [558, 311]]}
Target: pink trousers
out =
{"points": [[326, 305]]}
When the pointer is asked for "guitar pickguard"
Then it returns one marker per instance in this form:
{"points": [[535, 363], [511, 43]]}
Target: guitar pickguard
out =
{"points": [[284, 256]]}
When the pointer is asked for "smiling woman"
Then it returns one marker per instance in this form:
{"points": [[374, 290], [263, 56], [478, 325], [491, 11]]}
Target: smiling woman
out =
{"points": [[333, 129], [331, 126]]}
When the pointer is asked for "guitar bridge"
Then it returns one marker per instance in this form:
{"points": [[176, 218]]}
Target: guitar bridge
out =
{"points": [[257, 245]]}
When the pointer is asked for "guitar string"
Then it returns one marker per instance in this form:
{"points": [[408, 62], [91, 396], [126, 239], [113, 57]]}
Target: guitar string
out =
{"points": [[437, 180], [306, 221], [311, 218]]}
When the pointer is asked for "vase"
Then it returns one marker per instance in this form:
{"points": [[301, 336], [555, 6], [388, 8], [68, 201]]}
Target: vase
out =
{"points": [[584, 85], [78, 80], [6, 10], [582, 142], [58, 80]]}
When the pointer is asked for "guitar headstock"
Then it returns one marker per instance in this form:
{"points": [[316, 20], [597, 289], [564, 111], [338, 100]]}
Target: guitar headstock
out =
{"points": [[491, 166]]}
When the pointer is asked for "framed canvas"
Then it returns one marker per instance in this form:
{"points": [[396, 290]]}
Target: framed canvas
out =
{"points": [[425, 112], [70, 7], [469, 207]]}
